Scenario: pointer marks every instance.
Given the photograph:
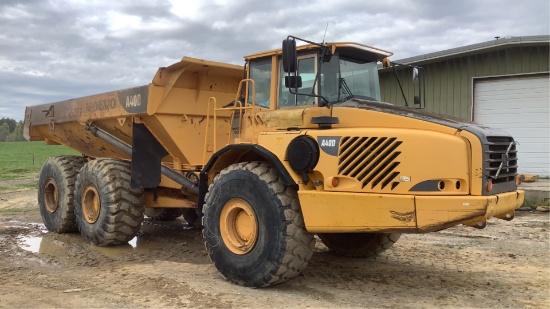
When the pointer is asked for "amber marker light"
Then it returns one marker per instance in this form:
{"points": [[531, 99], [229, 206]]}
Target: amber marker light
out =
{"points": [[335, 182], [518, 180], [489, 185]]}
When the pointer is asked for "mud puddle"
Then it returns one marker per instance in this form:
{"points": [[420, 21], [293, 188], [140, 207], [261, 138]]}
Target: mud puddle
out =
{"points": [[156, 240]]}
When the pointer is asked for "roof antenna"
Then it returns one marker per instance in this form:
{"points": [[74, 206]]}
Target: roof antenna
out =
{"points": [[324, 35]]}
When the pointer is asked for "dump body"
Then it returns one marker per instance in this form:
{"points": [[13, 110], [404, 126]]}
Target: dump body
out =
{"points": [[173, 107]]}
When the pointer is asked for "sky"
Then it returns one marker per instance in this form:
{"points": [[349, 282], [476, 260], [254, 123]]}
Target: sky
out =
{"points": [[62, 49]]}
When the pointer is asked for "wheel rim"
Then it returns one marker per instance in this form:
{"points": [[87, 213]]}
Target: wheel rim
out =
{"points": [[238, 226], [91, 204], [51, 196]]}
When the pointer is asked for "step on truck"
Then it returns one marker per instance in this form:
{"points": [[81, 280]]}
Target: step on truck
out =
{"points": [[263, 157]]}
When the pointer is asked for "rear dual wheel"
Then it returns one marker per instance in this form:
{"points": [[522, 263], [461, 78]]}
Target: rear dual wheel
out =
{"points": [[253, 227], [56, 185], [108, 210]]}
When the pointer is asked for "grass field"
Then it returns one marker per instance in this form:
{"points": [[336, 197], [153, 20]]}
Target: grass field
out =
{"points": [[22, 159]]}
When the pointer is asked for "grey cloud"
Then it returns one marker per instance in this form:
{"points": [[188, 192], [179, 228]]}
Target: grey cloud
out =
{"points": [[51, 51]]}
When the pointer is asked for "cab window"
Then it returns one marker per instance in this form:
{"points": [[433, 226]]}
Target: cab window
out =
{"points": [[260, 72], [306, 69]]}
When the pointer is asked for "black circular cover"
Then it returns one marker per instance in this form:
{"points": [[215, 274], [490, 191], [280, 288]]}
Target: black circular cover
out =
{"points": [[303, 154]]}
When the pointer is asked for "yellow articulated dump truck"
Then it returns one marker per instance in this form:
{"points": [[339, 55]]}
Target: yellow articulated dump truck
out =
{"points": [[265, 156]]}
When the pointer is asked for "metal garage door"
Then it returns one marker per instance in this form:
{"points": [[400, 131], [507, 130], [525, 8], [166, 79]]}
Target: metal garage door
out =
{"points": [[518, 105]]}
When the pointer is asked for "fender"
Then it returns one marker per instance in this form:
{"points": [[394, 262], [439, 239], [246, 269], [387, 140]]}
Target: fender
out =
{"points": [[239, 149]]}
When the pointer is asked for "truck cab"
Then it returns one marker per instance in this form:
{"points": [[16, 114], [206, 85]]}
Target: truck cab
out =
{"points": [[330, 74], [317, 109]]}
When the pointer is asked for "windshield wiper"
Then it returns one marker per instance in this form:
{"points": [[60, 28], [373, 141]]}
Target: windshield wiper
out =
{"points": [[344, 86]]}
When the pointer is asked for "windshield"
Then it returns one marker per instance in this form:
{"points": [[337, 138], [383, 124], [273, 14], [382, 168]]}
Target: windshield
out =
{"points": [[343, 79]]}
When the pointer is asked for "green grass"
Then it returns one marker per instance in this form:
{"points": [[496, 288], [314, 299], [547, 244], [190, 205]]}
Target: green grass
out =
{"points": [[24, 159], [30, 184]]}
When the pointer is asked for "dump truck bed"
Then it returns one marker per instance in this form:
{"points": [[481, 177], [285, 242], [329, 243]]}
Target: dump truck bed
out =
{"points": [[173, 107], [62, 122]]}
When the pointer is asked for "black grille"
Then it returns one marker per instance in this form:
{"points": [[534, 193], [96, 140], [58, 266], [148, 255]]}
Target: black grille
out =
{"points": [[501, 162], [371, 160]]}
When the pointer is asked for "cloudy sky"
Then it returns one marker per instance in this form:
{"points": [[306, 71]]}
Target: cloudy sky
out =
{"points": [[59, 49]]}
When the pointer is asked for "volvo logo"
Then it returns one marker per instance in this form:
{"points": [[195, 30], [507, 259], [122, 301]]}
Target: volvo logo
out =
{"points": [[505, 159]]}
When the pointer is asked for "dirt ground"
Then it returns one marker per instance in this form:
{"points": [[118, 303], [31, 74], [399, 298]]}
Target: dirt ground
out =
{"points": [[506, 265]]}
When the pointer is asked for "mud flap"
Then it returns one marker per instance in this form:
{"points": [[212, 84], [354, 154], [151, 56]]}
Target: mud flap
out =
{"points": [[147, 154]]}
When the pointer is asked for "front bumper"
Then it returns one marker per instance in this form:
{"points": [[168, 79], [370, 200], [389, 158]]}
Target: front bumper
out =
{"points": [[341, 212]]}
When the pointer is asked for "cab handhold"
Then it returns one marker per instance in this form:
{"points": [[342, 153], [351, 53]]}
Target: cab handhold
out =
{"points": [[325, 122]]}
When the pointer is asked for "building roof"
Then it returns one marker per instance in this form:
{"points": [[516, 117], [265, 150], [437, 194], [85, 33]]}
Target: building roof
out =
{"points": [[479, 48]]}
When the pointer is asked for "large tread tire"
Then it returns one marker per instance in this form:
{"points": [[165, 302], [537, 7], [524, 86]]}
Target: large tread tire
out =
{"points": [[120, 206], [163, 214], [359, 244], [56, 185], [283, 246]]}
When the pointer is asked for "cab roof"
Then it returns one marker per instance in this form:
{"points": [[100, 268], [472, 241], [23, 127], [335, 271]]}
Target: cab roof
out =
{"points": [[350, 49]]}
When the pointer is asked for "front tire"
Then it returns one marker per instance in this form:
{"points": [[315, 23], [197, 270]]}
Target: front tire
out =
{"points": [[253, 227], [108, 210], [359, 244], [56, 192]]}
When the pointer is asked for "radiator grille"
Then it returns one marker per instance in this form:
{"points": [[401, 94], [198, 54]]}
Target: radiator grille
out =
{"points": [[501, 159], [370, 160]]}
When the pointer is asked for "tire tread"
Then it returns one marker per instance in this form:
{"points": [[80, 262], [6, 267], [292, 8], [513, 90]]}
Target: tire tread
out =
{"points": [[69, 167], [124, 205], [298, 242]]}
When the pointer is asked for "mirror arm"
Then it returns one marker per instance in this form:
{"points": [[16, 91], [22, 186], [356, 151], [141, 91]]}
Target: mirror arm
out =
{"points": [[400, 86]]}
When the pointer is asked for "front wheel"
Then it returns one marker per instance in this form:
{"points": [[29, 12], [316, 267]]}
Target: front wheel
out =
{"points": [[253, 227]]}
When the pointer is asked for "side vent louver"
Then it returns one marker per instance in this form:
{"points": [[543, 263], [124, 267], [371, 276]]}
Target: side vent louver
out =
{"points": [[371, 160]]}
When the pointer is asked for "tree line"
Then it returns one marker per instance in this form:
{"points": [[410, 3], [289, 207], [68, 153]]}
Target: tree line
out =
{"points": [[11, 130]]}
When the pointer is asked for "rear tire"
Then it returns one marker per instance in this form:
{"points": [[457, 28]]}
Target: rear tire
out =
{"points": [[253, 228], [108, 210], [56, 192], [359, 244]]}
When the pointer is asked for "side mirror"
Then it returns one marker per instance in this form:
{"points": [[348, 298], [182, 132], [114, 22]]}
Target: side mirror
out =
{"points": [[415, 75], [293, 81], [290, 60]]}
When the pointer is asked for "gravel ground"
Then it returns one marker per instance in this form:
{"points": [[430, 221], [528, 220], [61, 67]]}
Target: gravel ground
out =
{"points": [[506, 265]]}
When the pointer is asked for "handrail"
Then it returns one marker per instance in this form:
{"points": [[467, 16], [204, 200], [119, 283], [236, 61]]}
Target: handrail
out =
{"points": [[237, 106]]}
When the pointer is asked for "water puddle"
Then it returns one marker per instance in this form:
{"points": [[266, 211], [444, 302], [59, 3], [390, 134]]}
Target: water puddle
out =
{"points": [[35, 238], [46, 245], [30, 243], [136, 245]]}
